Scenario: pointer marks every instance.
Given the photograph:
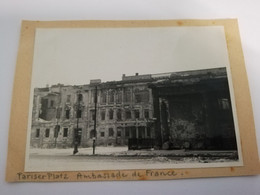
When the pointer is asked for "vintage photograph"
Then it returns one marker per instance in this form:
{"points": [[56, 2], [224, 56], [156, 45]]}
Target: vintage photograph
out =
{"points": [[131, 98]]}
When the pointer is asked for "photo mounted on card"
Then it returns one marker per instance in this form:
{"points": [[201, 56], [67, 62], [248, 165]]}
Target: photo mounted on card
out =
{"points": [[130, 100]]}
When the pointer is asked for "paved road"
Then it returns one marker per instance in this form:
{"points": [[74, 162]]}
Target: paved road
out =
{"points": [[78, 163]]}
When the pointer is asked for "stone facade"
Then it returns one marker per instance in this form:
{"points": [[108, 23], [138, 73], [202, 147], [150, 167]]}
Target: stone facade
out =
{"points": [[189, 109], [124, 110]]}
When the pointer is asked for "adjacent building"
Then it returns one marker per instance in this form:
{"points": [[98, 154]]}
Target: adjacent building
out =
{"points": [[190, 109]]}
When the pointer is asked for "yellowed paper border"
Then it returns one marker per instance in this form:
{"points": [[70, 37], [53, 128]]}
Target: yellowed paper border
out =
{"points": [[21, 96]]}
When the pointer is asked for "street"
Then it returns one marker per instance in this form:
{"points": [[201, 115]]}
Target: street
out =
{"points": [[80, 163], [119, 158]]}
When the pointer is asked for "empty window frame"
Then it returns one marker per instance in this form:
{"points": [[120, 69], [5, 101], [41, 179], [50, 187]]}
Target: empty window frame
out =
{"points": [[119, 131], [65, 132], [111, 97], [137, 114], [142, 96], [67, 114], [80, 97], [119, 115], [52, 103], [148, 132], [146, 113], [103, 115], [58, 113], [103, 97], [127, 96], [128, 114], [119, 97], [68, 98], [79, 113], [111, 114], [47, 132], [37, 133], [110, 132], [127, 131]]}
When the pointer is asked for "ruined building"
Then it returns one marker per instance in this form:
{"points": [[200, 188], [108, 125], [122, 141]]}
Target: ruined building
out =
{"points": [[190, 109]]}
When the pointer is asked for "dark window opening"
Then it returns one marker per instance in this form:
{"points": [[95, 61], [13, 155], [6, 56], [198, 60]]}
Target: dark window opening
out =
{"points": [[145, 96], [68, 98], [142, 96], [146, 114], [137, 114], [128, 114], [119, 97], [52, 103], [118, 132], [92, 99], [111, 113], [127, 131], [148, 132], [80, 97], [141, 132], [127, 95], [65, 132], [119, 115], [111, 97], [44, 108], [47, 133], [103, 115], [133, 132], [37, 133], [102, 134], [110, 132], [58, 114], [138, 98], [79, 113], [67, 114], [103, 97]]}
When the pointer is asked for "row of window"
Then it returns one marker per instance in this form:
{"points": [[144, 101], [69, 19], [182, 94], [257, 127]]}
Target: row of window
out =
{"points": [[47, 132], [48, 103], [128, 114], [79, 97], [112, 96], [92, 132], [119, 132], [102, 133]]}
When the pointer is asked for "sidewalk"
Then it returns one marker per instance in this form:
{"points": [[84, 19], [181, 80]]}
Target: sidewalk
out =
{"points": [[82, 151], [124, 152]]}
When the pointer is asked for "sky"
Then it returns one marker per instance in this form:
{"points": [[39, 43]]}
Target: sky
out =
{"points": [[75, 56]]}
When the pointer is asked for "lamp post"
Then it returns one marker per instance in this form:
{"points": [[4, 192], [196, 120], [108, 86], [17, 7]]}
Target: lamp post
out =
{"points": [[56, 133], [76, 134], [94, 145], [95, 121], [95, 83], [76, 141], [57, 127]]}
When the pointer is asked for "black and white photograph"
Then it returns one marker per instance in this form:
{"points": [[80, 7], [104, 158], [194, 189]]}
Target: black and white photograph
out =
{"points": [[131, 98]]}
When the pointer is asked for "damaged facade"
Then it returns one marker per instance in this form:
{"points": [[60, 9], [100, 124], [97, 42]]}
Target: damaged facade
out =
{"points": [[190, 109]]}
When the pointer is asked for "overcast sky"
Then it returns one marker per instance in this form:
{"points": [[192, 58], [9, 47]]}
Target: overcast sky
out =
{"points": [[74, 56]]}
